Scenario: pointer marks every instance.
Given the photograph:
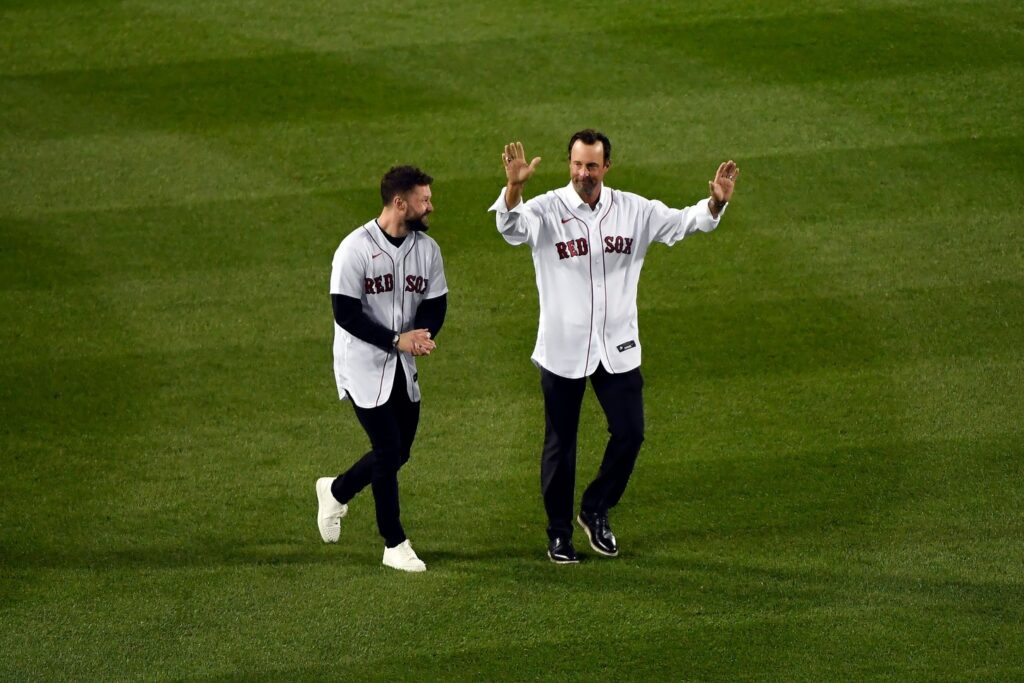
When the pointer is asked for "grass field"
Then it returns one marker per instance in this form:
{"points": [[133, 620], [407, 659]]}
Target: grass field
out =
{"points": [[831, 483]]}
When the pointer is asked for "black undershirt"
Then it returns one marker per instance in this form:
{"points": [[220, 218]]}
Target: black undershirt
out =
{"points": [[348, 313], [397, 241]]}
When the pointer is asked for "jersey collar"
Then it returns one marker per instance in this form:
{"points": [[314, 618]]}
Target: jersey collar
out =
{"points": [[571, 199], [377, 235]]}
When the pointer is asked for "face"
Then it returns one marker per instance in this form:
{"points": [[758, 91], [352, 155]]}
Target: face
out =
{"points": [[417, 207], [587, 167]]}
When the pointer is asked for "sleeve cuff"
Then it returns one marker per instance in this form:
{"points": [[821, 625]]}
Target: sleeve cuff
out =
{"points": [[501, 208], [721, 212]]}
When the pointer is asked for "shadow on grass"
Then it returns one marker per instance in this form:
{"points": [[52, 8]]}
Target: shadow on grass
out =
{"points": [[179, 556], [750, 616]]}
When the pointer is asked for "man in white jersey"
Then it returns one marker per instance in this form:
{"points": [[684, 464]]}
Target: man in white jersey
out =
{"points": [[588, 243], [389, 296]]}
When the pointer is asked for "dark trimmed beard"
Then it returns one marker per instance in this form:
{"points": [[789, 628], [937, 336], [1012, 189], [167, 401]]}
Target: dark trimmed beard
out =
{"points": [[418, 224]]}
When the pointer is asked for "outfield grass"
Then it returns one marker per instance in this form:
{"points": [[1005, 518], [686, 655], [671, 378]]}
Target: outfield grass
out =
{"points": [[831, 483]]}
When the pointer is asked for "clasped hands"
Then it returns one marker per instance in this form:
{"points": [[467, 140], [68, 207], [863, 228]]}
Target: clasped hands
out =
{"points": [[416, 342]]}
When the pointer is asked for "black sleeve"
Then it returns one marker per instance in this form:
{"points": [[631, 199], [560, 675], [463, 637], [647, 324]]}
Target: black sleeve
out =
{"points": [[348, 313], [430, 314]]}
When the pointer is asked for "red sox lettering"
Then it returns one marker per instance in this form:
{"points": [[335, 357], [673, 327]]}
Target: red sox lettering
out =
{"points": [[379, 284], [618, 245], [386, 283], [415, 283], [613, 244], [571, 248]]}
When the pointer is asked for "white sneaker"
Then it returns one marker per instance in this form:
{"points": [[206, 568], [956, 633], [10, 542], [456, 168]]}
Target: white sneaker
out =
{"points": [[403, 557], [328, 517]]}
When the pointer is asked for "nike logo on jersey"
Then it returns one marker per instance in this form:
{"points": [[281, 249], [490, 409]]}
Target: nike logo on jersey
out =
{"points": [[566, 220], [578, 247], [377, 254], [631, 344]]}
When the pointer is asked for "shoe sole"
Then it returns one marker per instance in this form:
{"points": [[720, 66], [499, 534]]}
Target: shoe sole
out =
{"points": [[590, 539], [320, 495], [551, 557], [411, 570]]}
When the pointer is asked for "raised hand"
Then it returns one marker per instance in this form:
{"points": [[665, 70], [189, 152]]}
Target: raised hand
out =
{"points": [[725, 182], [516, 169]]}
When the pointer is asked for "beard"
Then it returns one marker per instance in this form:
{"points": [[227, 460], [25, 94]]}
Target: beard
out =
{"points": [[418, 224], [585, 187]]}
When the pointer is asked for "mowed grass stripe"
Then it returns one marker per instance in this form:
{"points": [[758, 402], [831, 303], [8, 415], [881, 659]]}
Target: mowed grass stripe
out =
{"points": [[102, 171], [903, 105], [304, 220], [210, 94], [327, 27], [721, 333], [808, 425], [281, 161], [162, 394], [53, 37], [717, 511], [716, 592], [96, 33]]}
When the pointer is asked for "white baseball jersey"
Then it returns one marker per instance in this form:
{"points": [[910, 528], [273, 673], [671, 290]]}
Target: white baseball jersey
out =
{"points": [[587, 264], [390, 282]]}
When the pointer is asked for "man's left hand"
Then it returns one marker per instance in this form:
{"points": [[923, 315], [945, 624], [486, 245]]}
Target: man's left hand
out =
{"points": [[725, 182]]}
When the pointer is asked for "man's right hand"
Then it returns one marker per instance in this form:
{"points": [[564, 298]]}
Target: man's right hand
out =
{"points": [[517, 171], [416, 342]]}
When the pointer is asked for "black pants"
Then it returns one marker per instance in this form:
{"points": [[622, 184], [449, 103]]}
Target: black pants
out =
{"points": [[621, 397], [392, 429]]}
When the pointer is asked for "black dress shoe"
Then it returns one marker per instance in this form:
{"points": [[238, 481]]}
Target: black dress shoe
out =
{"points": [[599, 532], [560, 551]]}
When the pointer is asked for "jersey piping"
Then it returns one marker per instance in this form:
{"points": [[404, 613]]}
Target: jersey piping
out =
{"points": [[604, 272], [394, 275], [590, 262]]}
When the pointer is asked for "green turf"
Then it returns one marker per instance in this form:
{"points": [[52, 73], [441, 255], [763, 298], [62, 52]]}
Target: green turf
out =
{"points": [[830, 486]]}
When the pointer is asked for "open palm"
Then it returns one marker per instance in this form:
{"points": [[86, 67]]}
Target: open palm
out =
{"points": [[516, 169], [725, 181]]}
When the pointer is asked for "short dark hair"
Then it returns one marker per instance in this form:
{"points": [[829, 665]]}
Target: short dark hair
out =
{"points": [[589, 136], [401, 179]]}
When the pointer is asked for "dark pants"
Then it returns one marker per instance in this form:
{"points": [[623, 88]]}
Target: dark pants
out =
{"points": [[621, 397], [392, 429]]}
